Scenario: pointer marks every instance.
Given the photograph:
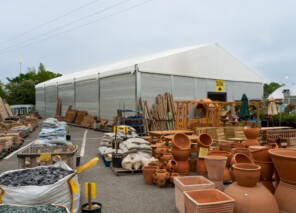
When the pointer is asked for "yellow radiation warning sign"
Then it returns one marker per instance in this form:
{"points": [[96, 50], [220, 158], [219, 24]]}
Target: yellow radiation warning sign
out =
{"points": [[219, 86]]}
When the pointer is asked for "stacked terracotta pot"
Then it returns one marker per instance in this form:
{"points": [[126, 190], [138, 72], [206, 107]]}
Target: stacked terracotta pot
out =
{"points": [[181, 151], [249, 195], [285, 163], [203, 145], [252, 136], [262, 158], [236, 159]]}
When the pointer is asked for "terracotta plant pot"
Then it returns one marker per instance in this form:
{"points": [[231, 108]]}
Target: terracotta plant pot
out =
{"points": [[235, 145], [226, 175], [160, 151], [252, 199], [180, 154], [245, 151], [171, 166], [284, 161], [173, 175], [167, 157], [181, 141], [246, 174], [267, 170], [208, 200], [225, 146], [240, 158], [148, 172], [192, 162], [160, 177], [252, 135], [285, 196], [204, 140], [269, 185], [201, 168], [273, 145], [183, 168], [260, 153], [222, 153], [215, 165]]}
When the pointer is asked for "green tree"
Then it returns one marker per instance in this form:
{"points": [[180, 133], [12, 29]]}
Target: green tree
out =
{"points": [[270, 88], [21, 89]]}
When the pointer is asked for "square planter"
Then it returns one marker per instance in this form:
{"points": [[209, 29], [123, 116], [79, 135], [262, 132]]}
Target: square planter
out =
{"points": [[190, 183], [208, 200]]}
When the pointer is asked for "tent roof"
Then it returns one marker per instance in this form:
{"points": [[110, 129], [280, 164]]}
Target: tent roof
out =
{"points": [[279, 95], [205, 61]]}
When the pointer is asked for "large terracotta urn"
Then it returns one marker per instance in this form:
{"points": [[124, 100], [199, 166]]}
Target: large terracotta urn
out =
{"points": [[252, 136], [285, 163], [252, 199], [215, 167], [203, 144]]}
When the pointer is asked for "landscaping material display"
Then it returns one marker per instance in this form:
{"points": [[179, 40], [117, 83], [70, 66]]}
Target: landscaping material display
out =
{"points": [[34, 177], [35, 209]]}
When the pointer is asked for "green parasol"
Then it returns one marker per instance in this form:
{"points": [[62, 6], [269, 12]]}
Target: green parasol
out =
{"points": [[244, 109]]}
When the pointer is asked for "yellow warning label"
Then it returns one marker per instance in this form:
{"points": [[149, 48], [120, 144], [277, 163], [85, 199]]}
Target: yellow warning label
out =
{"points": [[45, 157], [219, 86], [92, 192], [116, 129], [203, 152], [125, 130]]}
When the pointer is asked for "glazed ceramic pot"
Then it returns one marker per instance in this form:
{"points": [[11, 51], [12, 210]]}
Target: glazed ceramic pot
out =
{"points": [[246, 174], [160, 177], [201, 168], [284, 161], [215, 165], [181, 141], [204, 140], [148, 172], [240, 158], [192, 162], [252, 199], [260, 153], [171, 166], [173, 175], [252, 136], [183, 168], [180, 154], [285, 196]]}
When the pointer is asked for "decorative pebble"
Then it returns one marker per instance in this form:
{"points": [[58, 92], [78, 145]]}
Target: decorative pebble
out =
{"points": [[37, 209], [34, 177]]}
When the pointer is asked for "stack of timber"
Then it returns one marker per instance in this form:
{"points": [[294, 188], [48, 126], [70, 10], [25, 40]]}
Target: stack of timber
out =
{"points": [[70, 116], [79, 117], [58, 108], [161, 116], [88, 121]]}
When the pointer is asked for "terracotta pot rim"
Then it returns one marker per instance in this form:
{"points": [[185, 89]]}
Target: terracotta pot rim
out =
{"points": [[246, 156], [263, 162], [244, 167], [282, 153], [216, 157], [186, 145], [221, 152], [202, 144], [176, 149]]}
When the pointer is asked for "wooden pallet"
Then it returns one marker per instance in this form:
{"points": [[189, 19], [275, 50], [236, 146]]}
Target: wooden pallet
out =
{"points": [[122, 172]]}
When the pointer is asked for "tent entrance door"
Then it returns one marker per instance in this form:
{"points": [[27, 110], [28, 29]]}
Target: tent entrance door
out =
{"points": [[217, 96]]}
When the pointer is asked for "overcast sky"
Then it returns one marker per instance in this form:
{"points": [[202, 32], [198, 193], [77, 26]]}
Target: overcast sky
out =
{"points": [[73, 35]]}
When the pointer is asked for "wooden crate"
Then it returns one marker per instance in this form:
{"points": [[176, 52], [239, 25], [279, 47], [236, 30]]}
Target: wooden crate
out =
{"points": [[32, 154], [88, 121]]}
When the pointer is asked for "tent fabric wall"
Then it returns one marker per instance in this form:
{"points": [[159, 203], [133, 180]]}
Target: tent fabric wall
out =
{"points": [[50, 101], [183, 88], [40, 101], [114, 91], [87, 96], [154, 84], [66, 94]]}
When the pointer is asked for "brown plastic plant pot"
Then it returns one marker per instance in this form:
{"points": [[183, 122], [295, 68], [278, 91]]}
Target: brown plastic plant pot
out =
{"points": [[246, 174], [181, 141]]}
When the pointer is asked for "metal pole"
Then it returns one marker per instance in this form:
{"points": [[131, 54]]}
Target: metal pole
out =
{"points": [[20, 66]]}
